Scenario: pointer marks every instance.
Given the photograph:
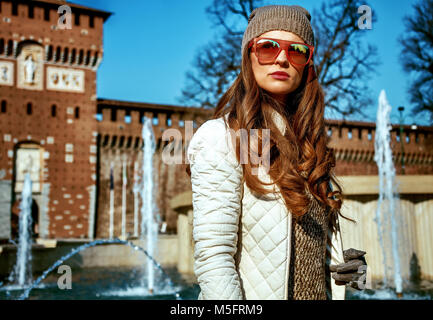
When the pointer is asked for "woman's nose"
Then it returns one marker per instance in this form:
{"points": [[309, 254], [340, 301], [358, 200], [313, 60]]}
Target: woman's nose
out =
{"points": [[282, 58]]}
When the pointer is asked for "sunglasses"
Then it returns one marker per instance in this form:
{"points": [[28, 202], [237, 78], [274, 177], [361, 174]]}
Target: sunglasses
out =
{"points": [[268, 49]]}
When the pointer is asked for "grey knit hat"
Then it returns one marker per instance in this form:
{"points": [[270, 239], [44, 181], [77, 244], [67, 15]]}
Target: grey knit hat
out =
{"points": [[294, 19]]}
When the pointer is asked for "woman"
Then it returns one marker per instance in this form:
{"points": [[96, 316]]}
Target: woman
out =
{"points": [[269, 231]]}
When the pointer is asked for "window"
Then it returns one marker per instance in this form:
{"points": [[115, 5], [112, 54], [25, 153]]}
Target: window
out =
{"points": [[137, 142], [127, 116], [113, 141], [91, 22], [57, 54], [129, 142], [10, 48], [50, 53], [2, 46], [73, 55], [105, 141], [95, 59], [29, 108], [77, 112], [87, 57], [53, 110], [65, 55], [121, 141], [155, 120], [3, 106], [80, 56]]}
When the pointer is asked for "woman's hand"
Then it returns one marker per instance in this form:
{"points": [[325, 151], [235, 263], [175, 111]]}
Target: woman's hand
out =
{"points": [[353, 271]]}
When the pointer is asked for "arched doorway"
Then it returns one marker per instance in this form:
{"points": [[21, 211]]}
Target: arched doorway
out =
{"points": [[28, 158]]}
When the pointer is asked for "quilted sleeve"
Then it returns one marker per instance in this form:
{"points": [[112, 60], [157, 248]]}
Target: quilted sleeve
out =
{"points": [[216, 195]]}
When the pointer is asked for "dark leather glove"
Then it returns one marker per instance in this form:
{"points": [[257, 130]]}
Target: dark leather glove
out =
{"points": [[353, 271]]}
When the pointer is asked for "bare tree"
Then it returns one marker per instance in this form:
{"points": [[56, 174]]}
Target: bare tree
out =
{"points": [[218, 63], [215, 67], [343, 63], [417, 57]]}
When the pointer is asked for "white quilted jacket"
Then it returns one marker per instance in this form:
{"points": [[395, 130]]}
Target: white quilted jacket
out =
{"points": [[241, 241]]}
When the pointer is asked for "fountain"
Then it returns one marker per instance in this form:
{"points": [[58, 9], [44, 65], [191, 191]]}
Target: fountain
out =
{"points": [[26, 293], [22, 272], [387, 212], [149, 225]]}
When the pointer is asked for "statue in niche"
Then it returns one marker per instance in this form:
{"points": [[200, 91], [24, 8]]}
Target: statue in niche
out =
{"points": [[29, 69], [4, 74], [28, 165]]}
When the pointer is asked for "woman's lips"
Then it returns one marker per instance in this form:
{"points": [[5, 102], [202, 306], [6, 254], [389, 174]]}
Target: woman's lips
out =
{"points": [[280, 75]]}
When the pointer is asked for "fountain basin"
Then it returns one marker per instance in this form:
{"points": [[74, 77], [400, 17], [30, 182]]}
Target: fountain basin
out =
{"points": [[110, 283]]}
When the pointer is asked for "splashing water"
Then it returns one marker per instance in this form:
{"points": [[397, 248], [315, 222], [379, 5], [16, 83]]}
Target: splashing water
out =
{"points": [[386, 212], [73, 252], [22, 272]]}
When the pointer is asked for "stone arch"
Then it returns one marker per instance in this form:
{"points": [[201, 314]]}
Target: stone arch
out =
{"points": [[28, 158], [30, 65]]}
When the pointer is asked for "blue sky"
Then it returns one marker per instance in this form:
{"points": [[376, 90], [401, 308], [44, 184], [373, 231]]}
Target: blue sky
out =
{"points": [[130, 72]]}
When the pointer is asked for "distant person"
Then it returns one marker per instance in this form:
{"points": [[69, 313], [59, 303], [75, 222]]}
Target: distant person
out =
{"points": [[16, 210]]}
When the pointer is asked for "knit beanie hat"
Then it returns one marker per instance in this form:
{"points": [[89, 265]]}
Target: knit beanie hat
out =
{"points": [[294, 19]]}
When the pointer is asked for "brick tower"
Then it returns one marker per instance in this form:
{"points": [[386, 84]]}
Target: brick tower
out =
{"points": [[49, 54]]}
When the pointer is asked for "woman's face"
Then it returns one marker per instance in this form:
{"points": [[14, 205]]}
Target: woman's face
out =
{"points": [[278, 88]]}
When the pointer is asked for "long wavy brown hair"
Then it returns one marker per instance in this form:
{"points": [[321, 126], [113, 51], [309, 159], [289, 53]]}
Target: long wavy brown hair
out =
{"points": [[300, 159]]}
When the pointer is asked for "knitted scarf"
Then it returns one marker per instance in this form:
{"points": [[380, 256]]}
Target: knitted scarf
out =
{"points": [[307, 276]]}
